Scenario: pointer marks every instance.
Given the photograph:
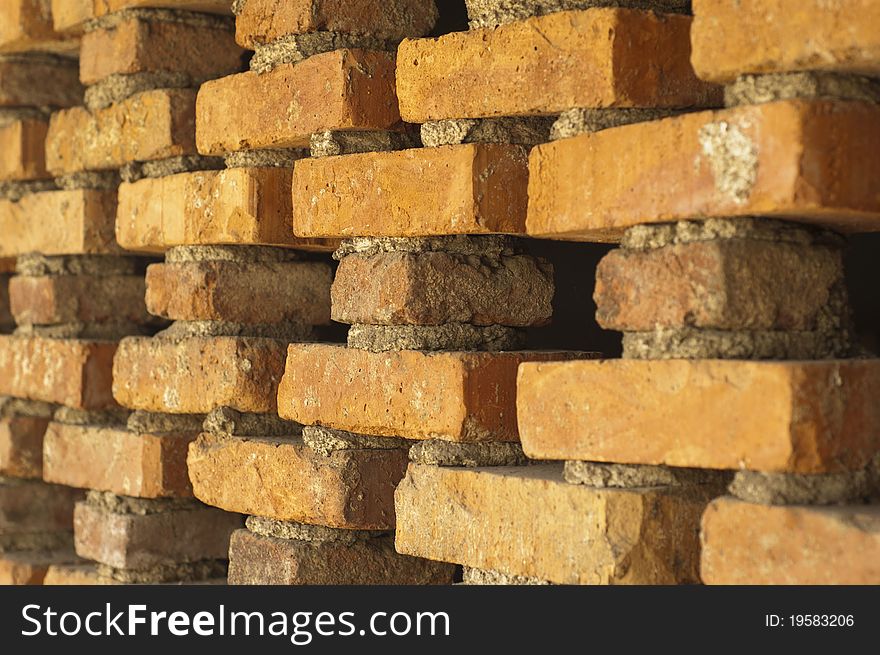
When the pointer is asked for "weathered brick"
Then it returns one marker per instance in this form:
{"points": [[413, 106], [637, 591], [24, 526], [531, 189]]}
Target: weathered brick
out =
{"points": [[288, 481], [136, 45], [47, 300], [459, 396], [732, 37], [69, 15], [141, 541], [21, 446], [432, 288], [241, 292], [39, 82], [148, 126], [32, 506], [546, 64], [807, 160], [256, 559], [22, 150], [725, 284], [75, 222], [528, 521], [31, 567], [117, 460], [338, 90], [794, 417], [198, 374], [763, 545], [26, 25], [462, 189], [263, 21], [70, 372], [247, 206]]}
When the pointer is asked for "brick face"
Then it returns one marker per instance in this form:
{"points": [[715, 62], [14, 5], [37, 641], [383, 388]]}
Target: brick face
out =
{"points": [[59, 85], [22, 150]]}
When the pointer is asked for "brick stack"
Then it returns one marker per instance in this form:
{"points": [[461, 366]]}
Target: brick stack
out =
{"points": [[141, 66], [736, 326]]}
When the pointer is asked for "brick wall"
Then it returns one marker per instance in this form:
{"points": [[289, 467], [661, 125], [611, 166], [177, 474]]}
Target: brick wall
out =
{"points": [[544, 291]]}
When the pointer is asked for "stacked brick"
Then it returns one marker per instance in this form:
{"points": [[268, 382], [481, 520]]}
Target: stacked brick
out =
{"points": [[140, 66], [738, 357]]}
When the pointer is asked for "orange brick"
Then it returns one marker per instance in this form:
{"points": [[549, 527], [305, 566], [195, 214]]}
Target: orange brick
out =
{"points": [[137, 45], [147, 126], [114, 459], [76, 222], [288, 481], [528, 521], [69, 15], [23, 151], [794, 417], [48, 300], [732, 37], [459, 396], [801, 545], [39, 82], [247, 206], [21, 446], [198, 374], [263, 21], [544, 65], [26, 25], [462, 189], [70, 372], [338, 90], [811, 161], [30, 567], [239, 292]]}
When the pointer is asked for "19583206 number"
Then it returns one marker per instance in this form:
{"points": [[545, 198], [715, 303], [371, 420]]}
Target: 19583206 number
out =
{"points": [[821, 620]]}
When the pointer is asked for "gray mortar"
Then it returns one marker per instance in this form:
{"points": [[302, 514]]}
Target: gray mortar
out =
{"points": [[294, 48], [758, 89], [326, 441], [10, 407], [821, 489], [438, 452], [491, 13], [474, 576], [648, 237], [180, 330], [195, 19], [9, 115], [347, 142], [229, 422], [112, 331], [109, 417], [316, 534], [15, 190], [98, 180], [116, 504], [241, 254], [118, 87], [582, 120], [448, 337], [492, 246], [530, 130], [134, 171], [627, 476], [35, 264], [167, 573], [151, 423], [36, 541], [278, 158]]}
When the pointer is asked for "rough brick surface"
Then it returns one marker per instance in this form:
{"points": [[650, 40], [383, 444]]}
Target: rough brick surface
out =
{"points": [[288, 481], [198, 374], [458, 396], [547, 64], [808, 160], [23, 150], [21, 446], [70, 372], [117, 460], [148, 126], [26, 25], [69, 15], [75, 222], [338, 90], [757, 544], [256, 559], [241, 292], [732, 37], [140, 46], [796, 417], [528, 521], [463, 189], [59, 85], [247, 206]]}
